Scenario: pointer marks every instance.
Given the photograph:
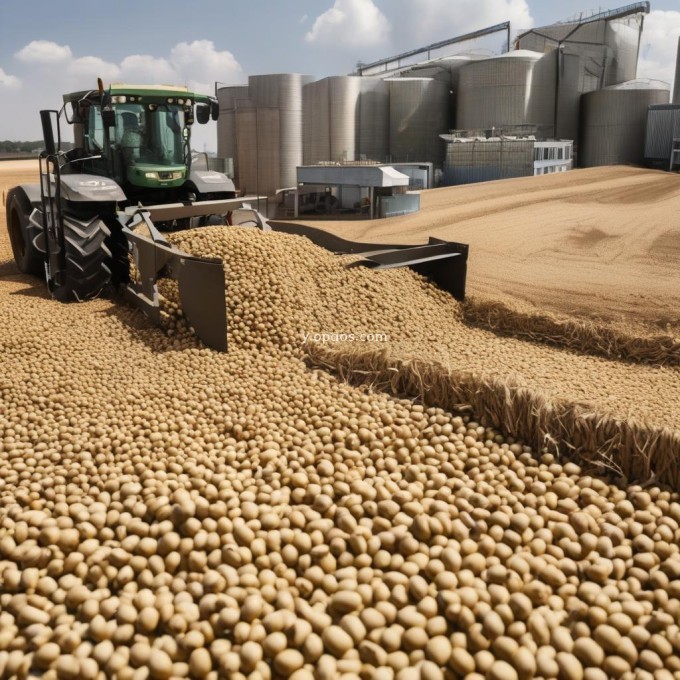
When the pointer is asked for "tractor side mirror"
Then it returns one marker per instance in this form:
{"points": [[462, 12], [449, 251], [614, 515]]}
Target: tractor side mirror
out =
{"points": [[214, 110], [109, 117], [202, 113]]}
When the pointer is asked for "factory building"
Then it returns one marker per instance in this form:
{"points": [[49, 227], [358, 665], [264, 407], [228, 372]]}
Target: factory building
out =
{"points": [[569, 90], [481, 159]]}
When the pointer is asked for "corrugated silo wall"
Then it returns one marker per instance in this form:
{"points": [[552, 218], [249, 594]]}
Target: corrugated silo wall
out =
{"points": [[613, 128], [445, 69], [622, 38], [419, 113], [509, 90], [676, 84], [374, 119], [282, 91], [344, 94], [257, 130], [484, 160], [663, 125], [229, 99], [345, 118], [316, 141]]}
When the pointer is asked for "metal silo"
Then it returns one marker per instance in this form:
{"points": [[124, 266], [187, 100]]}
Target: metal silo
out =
{"points": [[419, 113], [614, 121], [676, 85], [316, 120], [344, 93], [517, 88], [374, 119], [622, 37], [259, 160], [283, 91], [230, 98]]}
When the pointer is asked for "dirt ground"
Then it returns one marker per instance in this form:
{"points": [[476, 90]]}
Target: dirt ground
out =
{"points": [[601, 242]]}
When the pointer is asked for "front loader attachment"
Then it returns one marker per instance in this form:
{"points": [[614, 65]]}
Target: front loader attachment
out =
{"points": [[200, 281], [444, 262]]}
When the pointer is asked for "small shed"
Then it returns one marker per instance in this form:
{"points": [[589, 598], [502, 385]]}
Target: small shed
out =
{"points": [[369, 189]]}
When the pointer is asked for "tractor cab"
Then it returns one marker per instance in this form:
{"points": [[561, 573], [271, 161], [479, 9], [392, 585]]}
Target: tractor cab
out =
{"points": [[138, 136]]}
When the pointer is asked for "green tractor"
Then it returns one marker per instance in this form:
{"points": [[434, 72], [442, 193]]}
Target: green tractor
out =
{"points": [[102, 207], [131, 166]]}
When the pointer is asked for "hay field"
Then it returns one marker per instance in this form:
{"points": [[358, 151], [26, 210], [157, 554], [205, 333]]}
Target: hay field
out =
{"points": [[601, 242]]}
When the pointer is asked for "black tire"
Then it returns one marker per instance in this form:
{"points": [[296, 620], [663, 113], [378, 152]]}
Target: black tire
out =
{"points": [[28, 258], [87, 258]]}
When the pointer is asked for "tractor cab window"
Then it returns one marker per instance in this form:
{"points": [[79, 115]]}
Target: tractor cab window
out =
{"points": [[151, 134], [94, 139]]}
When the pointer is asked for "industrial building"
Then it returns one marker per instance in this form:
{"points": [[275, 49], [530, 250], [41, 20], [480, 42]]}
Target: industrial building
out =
{"points": [[481, 159], [573, 85]]}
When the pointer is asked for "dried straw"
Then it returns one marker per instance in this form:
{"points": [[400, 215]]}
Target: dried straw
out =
{"points": [[630, 449], [582, 335]]}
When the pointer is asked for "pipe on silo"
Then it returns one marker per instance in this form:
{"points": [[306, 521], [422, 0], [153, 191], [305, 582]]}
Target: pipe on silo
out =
{"points": [[676, 86]]}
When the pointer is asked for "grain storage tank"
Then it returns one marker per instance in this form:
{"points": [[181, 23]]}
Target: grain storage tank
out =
{"points": [[622, 38], [614, 121], [676, 85], [331, 119], [446, 69], [344, 93], [283, 92], [229, 99], [316, 120], [517, 88], [259, 161], [374, 119], [419, 113]]}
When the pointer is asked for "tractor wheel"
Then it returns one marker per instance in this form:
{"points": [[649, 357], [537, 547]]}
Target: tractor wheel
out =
{"points": [[87, 258], [22, 232]]}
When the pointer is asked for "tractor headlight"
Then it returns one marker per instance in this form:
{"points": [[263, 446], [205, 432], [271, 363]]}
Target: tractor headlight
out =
{"points": [[118, 99], [178, 174], [151, 175]]}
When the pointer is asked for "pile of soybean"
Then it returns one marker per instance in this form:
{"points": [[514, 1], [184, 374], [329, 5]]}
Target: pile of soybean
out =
{"points": [[282, 289], [168, 511]]}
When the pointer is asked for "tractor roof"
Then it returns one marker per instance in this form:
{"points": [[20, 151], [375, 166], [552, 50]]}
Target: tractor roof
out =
{"points": [[140, 90]]}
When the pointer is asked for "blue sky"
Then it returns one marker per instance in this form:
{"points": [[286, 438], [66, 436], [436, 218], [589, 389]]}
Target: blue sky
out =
{"points": [[49, 47]]}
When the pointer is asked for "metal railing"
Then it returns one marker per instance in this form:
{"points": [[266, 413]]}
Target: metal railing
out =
{"points": [[370, 69]]}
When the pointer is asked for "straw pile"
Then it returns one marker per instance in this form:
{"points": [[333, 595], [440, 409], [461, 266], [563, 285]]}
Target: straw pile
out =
{"points": [[625, 447], [589, 336]]}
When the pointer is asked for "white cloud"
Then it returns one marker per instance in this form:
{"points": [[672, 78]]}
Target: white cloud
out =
{"points": [[199, 64], [6, 80], [659, 46], [350, 24], [420, 22], [90, 68], [53, 70], [144, 68], [44, 52]]}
